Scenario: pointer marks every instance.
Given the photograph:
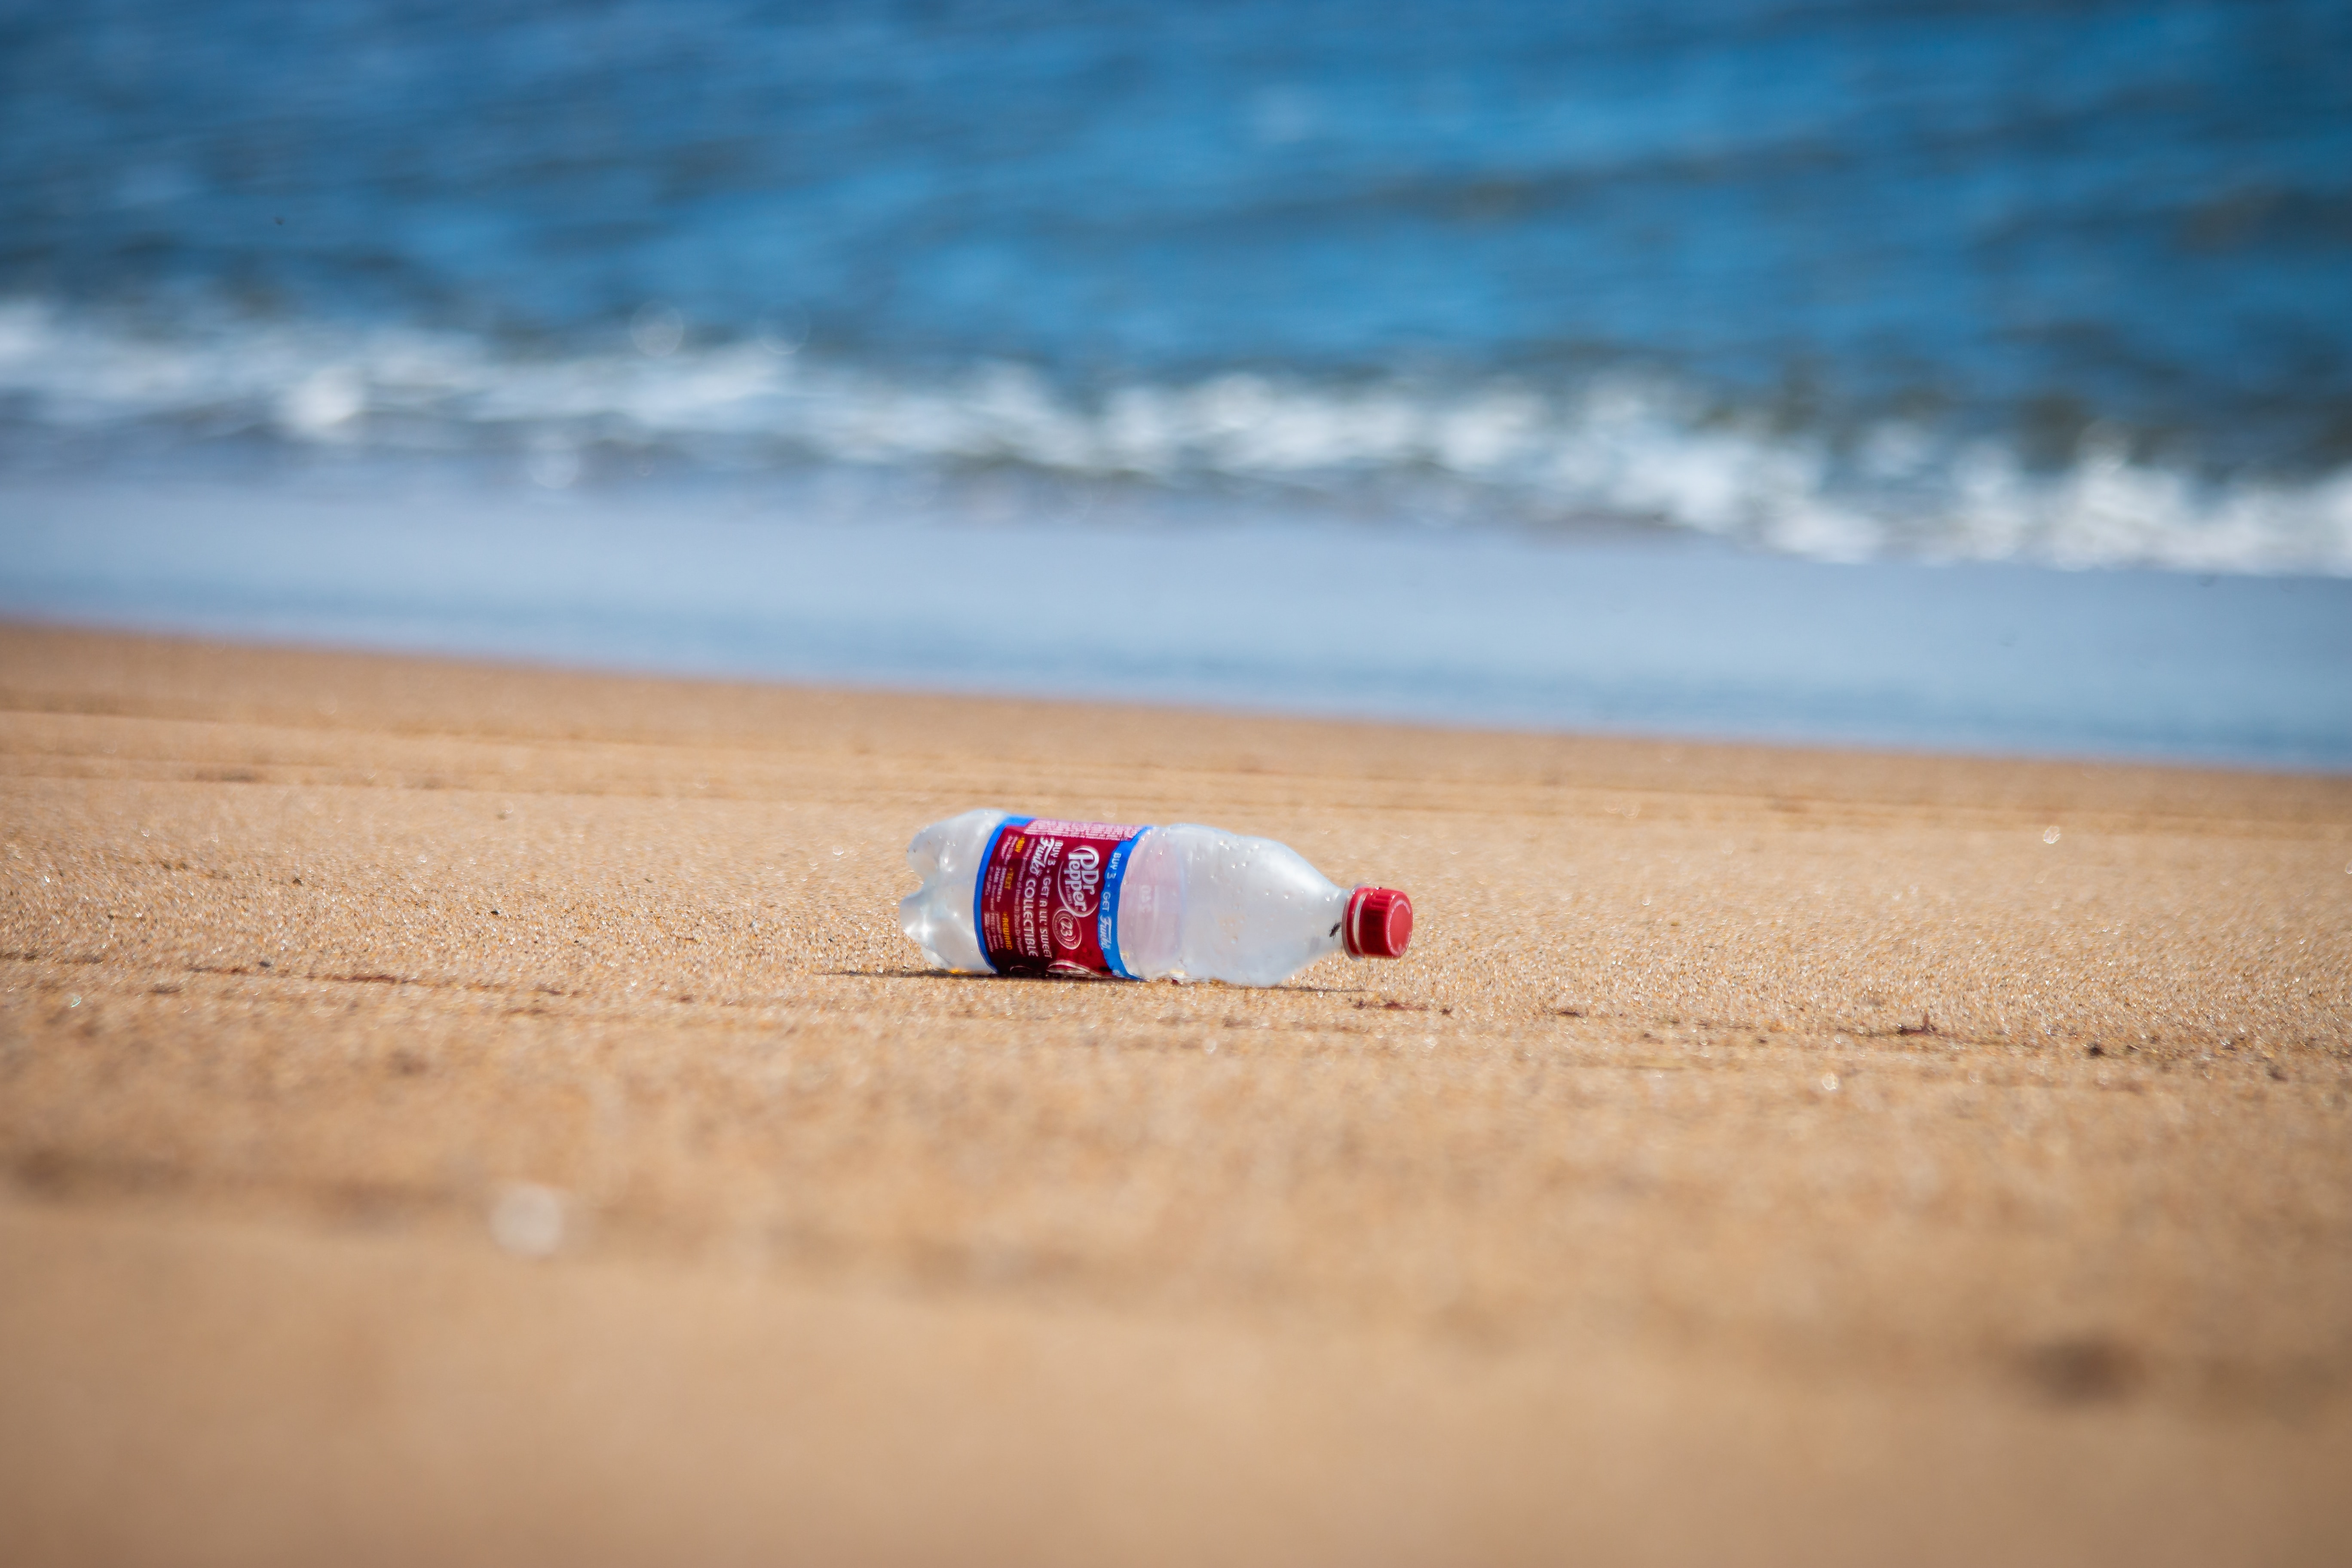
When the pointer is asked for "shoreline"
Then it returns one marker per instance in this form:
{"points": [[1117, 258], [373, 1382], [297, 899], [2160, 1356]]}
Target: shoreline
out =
{"points": [[1239, 608], [475, 1109]]}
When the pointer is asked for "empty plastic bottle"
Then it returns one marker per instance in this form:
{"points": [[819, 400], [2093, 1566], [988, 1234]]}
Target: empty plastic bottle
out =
{"points": [[1023, 895]]}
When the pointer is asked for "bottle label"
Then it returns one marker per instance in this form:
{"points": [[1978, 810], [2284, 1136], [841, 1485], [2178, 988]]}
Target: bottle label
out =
{"points": [[1047, 901]]}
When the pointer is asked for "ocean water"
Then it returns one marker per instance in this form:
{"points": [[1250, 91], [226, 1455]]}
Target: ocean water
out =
{"points": [[1978, 306], [1233, 606]]}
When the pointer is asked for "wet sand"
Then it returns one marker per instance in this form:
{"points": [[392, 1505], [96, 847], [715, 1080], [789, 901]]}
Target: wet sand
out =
{"points": [[462, 1114]]}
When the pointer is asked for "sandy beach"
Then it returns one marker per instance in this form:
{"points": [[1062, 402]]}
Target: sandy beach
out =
{"points": [[454, 1113]]}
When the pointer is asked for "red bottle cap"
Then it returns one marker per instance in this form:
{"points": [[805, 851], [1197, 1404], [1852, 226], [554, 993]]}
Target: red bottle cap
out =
{"points": [[1379, 923]]}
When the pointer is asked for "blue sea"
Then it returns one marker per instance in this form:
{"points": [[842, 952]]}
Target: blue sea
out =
{"points": [[1968, 377]]}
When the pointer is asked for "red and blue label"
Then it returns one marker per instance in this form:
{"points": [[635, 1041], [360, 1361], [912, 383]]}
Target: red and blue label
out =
{"points": [[1047, 903]]}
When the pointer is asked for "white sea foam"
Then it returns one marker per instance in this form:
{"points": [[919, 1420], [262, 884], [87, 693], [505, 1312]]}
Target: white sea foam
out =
{"points": [[1620, 449]]}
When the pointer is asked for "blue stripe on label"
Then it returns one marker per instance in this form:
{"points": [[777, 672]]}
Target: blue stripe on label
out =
{"points": [[1107, 921], [980, 886]]}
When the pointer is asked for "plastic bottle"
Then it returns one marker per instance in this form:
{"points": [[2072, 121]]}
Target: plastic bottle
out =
{"points": [[1181, 902]]}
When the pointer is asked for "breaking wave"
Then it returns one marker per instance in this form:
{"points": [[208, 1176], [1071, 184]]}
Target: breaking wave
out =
{"points": [[1612, 448]]}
